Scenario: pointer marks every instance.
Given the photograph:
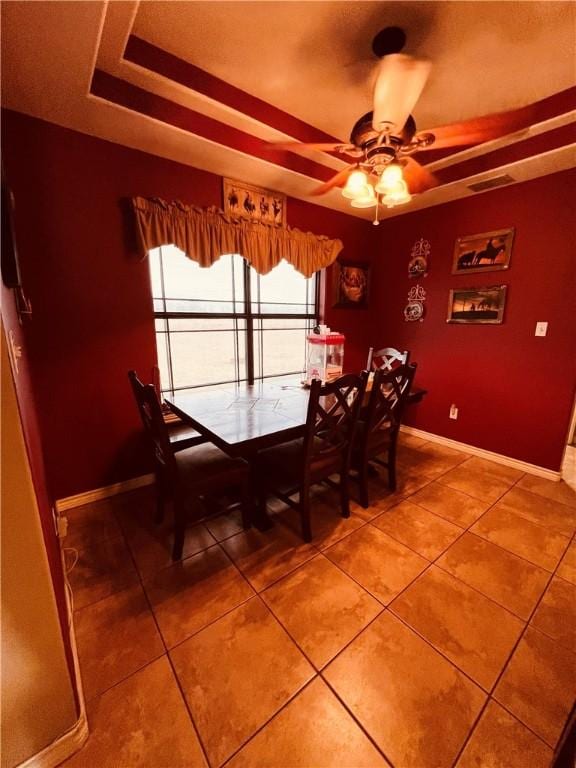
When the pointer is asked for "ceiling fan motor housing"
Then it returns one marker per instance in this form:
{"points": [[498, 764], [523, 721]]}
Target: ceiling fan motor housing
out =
{"points": [[363, 134]]}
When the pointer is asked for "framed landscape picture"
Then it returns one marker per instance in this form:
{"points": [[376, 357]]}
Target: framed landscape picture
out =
{"points": [[351, 283], [487, 252], [254, 203], [477, 305]]}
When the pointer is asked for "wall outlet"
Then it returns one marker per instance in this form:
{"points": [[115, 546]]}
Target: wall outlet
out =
{"points": [[62, 526], [541, 329], [453, 412]]}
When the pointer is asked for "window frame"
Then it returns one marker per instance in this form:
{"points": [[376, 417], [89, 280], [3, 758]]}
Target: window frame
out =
{"points": [[250, 318]]}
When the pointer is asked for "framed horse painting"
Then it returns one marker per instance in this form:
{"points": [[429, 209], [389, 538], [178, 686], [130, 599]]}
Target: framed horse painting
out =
{"points": [[487, 252], [477, 305]]}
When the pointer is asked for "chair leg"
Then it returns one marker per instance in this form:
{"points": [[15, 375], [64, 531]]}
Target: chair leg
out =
{"points": [[179, 528], [392, 467], [305, 513], [160, 498], [363, 484], [344, 495]]}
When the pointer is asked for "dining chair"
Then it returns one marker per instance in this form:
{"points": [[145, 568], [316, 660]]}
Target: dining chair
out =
{"points": [[183, 474], [388, 358], [379, 424], [293, 467], [180, 434]]}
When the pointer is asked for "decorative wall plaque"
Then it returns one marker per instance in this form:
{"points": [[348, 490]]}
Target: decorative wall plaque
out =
{"points": [[418, 264], [414, 309]]}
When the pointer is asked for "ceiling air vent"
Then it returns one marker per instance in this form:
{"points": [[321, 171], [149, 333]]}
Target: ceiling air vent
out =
{"points": [[497, 181]]}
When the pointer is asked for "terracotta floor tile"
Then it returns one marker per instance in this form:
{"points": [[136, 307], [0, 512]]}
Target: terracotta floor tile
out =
{"points": [[473, 632], [416, 705], [379, 563], [264, 557], [236, 674], [439, 459], [313, 730], [116, 636], [508, 580], [129, 728], [567, 567], [226, 525], [476, 483], [321, 608], [500, 741], [452, 505], [552, 515], [411, 440], [539, 685], [151, 544], [550, 489], [381, 497], [521, 536], [425, 533], [556, 614], [475, 463], [91, 523], [101, 570], [194, 592]]}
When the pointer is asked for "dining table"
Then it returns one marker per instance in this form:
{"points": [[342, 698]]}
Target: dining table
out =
{"points": [[243, 419]]}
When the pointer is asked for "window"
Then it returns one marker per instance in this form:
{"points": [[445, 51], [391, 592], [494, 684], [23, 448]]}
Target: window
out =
{"points": [[227, 323]]}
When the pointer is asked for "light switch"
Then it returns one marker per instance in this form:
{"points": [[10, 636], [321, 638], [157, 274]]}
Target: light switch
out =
{"points": [[541, 329]]}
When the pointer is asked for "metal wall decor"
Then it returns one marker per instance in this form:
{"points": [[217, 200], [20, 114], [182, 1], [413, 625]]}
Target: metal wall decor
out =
{"points": [[414, 309], [418, 264]]}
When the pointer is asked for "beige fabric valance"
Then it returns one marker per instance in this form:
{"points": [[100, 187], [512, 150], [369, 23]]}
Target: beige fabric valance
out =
{"points": [[206, 234]]}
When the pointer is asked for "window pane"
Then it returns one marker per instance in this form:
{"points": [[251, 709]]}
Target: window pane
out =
{"points": [[162, 349], [192, 288], [207, 357], [282, 291], [280, 350]]}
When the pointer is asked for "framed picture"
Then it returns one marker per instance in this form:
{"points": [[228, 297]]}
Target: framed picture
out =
{"points": [[351, 284], [477, 305], [254, 203], [487, 252]]}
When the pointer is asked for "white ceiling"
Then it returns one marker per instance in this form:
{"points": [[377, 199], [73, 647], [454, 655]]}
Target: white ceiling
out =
{"points": [[311, 59]]}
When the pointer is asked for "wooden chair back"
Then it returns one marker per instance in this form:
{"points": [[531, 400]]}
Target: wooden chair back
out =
{"points": [[333, 410], [388, 358], [153, 420], [390, 390], [157, 431]]}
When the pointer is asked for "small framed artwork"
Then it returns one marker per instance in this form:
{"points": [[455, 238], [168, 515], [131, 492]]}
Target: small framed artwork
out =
{"points": [[351, 284], [487, 252], [477, 305], [254, 203]]}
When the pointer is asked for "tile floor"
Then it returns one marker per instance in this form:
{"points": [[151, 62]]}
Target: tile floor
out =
{"points": [[435, 629]]}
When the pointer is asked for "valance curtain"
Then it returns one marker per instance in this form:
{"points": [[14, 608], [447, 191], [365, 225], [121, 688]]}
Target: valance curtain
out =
{"points": [[206, 234]]}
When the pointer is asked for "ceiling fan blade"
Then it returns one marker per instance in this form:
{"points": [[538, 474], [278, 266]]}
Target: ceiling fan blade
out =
{"points": [[336, 180], [418, 178], [399, 83], [480, 129], [343, 149]]}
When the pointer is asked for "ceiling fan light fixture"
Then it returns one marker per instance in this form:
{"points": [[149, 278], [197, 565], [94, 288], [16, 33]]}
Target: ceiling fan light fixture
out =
{"points": [[390, 179], [355, 184], [397, 196], [366, 200]]}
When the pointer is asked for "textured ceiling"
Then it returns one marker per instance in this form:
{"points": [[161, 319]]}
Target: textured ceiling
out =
{"points": [[157, 76]]}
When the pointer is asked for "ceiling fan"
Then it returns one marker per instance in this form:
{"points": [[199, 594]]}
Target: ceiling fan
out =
{"points": [[383, 141]]}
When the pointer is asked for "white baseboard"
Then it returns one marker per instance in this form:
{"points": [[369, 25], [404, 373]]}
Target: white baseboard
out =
{"points": [[103, 493], [61, 749], [523, 466]]}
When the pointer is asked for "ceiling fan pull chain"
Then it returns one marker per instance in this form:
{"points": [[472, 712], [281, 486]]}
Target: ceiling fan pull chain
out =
{"points": [[376, 222]]}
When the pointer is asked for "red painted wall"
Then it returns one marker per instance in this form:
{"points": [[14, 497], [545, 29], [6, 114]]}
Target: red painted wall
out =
{"points": [[515, 392], [91, 297]]}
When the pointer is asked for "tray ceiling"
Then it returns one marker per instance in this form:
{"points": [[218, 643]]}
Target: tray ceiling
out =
{"points": [[209, 84]]}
